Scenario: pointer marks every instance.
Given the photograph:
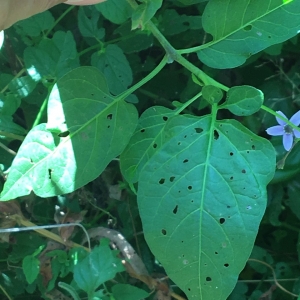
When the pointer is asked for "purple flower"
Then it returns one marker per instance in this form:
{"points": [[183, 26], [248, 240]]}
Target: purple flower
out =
{"points": [[286, 130]]}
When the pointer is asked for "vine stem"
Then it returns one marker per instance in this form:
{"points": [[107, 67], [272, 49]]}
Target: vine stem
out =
{"points": [[274, 276], [132, 89]]}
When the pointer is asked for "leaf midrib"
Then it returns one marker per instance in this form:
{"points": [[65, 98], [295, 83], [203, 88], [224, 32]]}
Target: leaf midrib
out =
{"points": [[213, 120], [212, 43]]}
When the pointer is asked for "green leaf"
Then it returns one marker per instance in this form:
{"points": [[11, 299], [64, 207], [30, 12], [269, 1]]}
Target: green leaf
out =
{"points": [[9, 103], [116, 11], [88, 23], [243, 100], [144, 142], [261, 255], [201, 199], [7, 125], [36, 24], [86, 129], [212, 94], [144, 13], [52, 58], [115, 67], [31, 268], [243, 28], [98, 267], [172, 23], [128, 292], [22, 86]]}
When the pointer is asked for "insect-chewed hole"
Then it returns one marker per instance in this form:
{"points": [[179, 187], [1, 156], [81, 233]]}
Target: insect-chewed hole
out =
{"points": [[198, 129], [109, 116], [50, 173], [248, 27], [142, 130], [208, 278], [165, 118], [64, 134], [216, 252], [161, 181], [216, 134], [244, 171], [222, 220], [164, 231], [172, 178], [231, 178], [231, 153], [253, 147], [179, 143], [154, 146], [190, 187], [185, 161], [175, 210], [226, 265]]}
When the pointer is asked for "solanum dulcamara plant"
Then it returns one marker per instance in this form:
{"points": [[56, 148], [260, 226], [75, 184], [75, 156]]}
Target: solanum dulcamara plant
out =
{"points": [[193, 105]]}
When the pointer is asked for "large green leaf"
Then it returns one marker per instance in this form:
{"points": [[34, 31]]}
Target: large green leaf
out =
{"points": [[86, 129], [245, 27], [201, 198], [144, 142]]}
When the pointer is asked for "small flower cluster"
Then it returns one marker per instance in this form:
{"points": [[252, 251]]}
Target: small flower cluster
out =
{"points": [[288, 133]]}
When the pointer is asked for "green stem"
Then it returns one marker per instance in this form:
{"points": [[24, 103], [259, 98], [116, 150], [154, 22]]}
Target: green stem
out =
{"points": [[186, 104], [174, 55], [59, 19], [42, 110], [132, 89]]}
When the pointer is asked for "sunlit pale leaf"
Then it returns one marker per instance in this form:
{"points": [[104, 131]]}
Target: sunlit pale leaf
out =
{"points": [[86, 129]]}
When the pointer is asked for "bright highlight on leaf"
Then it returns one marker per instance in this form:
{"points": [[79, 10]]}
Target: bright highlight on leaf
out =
{"points": [[86, 129]]}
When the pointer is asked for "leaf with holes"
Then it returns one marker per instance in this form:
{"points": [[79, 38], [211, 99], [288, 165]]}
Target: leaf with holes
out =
{"points": [[243, 100], [86, 129], [243, 28], [201, 199], [144, 142]]}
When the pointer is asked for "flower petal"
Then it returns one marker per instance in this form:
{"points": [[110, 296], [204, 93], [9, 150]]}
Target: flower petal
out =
{"points": [[275, 130], [281, 122], [287, 141], [296, 133], [295, 119]]}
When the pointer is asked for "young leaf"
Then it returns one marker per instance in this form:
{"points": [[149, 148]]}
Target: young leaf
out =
{"points": [[86, 129], [115, 67], [88, 23], [243, 28], [212, 94], [99, 266], [144, 142], [243, 100], [31, 268], [201, 198], [116, 11], [145, 11]]}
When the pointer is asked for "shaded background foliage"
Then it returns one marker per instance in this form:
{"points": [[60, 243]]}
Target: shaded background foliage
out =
{"points": [[63, 39]]}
